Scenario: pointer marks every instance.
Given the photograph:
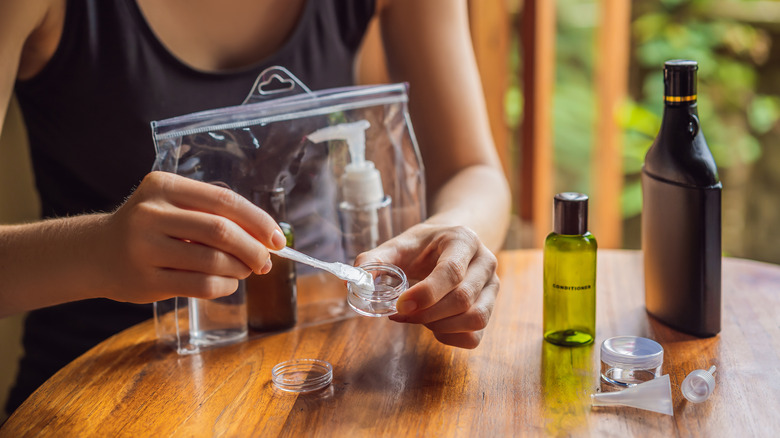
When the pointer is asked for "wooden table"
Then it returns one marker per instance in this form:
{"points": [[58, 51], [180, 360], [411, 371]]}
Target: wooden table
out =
{"points": [[395, 380]]}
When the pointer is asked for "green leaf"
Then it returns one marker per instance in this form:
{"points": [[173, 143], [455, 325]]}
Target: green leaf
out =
{"points": [[763, 113], [632, 116], [749, 149], [649, 26]]}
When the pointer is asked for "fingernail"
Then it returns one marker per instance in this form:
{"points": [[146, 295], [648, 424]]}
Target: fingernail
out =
{"points": [[267, 267], [398, 318], [278, 239], [407, 307]]}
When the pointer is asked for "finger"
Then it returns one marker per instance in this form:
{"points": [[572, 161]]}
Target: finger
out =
{"points": [[450, 270], [457, 301], [195, 195], [404, 248], [461, 340], [217, 232], [194, 284], [461, 298], [475, 318], [190, 256], [393, 251]]}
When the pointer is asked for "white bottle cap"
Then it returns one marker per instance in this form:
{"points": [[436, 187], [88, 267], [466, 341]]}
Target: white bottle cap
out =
{"points": [[362, 185], [698, 385]]}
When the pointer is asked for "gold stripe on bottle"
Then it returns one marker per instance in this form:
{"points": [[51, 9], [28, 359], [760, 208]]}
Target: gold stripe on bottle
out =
{"points": [[680, 98]]}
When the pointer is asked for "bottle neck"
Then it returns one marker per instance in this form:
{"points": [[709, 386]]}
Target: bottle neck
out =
{"points": [[679, 112], [680, 104], [680, 85], [680, 153], [677, 100]]}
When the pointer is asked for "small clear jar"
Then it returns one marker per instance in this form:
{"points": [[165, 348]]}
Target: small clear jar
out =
{"points": [[302, 375], [389, 283], [630, 360]]}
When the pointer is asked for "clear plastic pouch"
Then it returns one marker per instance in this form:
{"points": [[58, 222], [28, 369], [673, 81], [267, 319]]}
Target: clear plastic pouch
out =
{"points": [[263, 144]]}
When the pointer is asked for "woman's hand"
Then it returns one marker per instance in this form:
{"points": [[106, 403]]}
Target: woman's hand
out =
{"points": [[458, 282], [179, 237]]}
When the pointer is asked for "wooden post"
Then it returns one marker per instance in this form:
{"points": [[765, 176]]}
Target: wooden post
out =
{"points": [[489, 21], [537, 30], [611, 88]]}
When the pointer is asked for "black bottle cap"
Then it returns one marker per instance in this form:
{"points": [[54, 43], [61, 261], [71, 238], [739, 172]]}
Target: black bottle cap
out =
{"points": [[680, 81], [570, 213]]}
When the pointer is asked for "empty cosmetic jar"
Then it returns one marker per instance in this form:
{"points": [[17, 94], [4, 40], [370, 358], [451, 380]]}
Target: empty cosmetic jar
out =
{"points": [[630, 360], [302, 375], [389, 283]]}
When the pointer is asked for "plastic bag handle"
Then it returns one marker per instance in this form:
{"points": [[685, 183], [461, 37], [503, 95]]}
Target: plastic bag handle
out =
{"points": [[274, 81]]}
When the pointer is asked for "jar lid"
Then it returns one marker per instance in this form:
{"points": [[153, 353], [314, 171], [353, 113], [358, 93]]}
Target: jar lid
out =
{"points": [[632, 352], [680, 80], [570, 213], [302, 375]]}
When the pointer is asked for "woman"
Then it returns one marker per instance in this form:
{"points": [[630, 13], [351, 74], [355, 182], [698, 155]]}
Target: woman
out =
{"points": [[108, 241]]}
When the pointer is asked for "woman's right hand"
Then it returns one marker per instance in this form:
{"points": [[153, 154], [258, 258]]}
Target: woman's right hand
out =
{"points": [[179, 237]]}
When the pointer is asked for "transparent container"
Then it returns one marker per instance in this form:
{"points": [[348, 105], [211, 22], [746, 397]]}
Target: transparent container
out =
{"points": [[190, 325], [389, 283], [302, 375], [569, 274], [366, 226], [630, 360], [265, 143]]}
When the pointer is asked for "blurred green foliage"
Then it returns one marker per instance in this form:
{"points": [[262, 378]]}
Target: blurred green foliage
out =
{"points": [[574, 104], [732, 112]]}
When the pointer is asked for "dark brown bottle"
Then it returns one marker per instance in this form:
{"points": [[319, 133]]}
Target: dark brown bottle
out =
{"points": [[271, 299], [681, 214]]}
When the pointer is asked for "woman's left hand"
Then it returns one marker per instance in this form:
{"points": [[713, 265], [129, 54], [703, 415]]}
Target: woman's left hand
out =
{"points": [[458, 283]]}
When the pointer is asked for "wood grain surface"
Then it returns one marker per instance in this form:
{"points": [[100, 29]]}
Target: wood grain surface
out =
{"points": [[394, 379]]}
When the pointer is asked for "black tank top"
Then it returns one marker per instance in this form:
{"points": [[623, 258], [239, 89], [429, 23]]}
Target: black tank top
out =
{"points": [[87, 115]]}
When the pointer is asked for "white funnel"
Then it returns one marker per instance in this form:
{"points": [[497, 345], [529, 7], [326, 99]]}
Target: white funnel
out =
{"points": [[654, 395]]}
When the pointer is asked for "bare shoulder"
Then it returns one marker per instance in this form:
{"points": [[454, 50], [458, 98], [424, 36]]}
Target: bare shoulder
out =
{"points": [[25, 25], [380, 5], [20, 18], [29, 33]]}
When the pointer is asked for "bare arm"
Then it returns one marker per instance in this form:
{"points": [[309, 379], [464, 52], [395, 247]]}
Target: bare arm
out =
{"points": [[19, 21], [427, 44], [173, 237]]}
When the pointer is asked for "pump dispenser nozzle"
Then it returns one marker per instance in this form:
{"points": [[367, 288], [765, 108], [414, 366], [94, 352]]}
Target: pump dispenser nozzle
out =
{"points": [[353, 133], [361, 182], [362, 193]]}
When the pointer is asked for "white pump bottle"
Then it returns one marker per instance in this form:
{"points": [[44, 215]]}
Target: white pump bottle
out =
{"points": [[365, 209]]}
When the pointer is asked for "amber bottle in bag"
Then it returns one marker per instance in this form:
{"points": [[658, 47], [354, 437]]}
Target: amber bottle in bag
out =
{"points": [[271, 298], [681, 214]]}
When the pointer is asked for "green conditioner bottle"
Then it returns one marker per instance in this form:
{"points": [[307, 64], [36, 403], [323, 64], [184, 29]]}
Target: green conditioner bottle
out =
{"points": [[570, 274]]}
